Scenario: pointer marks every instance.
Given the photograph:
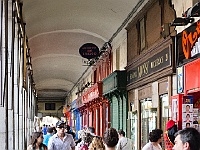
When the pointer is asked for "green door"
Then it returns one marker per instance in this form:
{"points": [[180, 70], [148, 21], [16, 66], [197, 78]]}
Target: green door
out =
{"points": [[115, 113]]}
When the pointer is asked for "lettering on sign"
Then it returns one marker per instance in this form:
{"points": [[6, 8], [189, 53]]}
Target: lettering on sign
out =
{"points": [[90, 95], [189, 40], [152, 65]]}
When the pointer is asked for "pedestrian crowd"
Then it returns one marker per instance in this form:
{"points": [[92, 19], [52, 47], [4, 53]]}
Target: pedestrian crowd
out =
{"points": [[61, 137]]}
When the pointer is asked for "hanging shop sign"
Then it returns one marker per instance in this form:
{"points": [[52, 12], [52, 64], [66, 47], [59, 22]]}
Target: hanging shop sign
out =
{"points": [[89, 51], [94, 92], [152, 65], [188, 43]]}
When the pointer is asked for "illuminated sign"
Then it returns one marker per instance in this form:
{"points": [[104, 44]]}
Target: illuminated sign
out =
{"points": [[190, 47]]}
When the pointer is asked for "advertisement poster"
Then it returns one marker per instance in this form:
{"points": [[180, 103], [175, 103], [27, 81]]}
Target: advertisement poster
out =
{"points": [[174, 109], [196, 118], [180, 80], [187, 111]]}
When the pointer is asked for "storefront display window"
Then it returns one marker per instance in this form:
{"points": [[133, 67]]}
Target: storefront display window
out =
{"points": [[134, 129], [165, 112], [148, 119]]}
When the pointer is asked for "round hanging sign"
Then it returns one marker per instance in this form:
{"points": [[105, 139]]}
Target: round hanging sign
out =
{"points": [[89, 51]]}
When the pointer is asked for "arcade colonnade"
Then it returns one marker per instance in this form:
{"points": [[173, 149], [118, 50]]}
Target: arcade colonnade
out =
{"points": [[18, 99]]}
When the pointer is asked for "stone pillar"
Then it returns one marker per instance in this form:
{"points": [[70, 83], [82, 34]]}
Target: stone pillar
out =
{"points": [[10, 80], [3, 109], [16, 89]]}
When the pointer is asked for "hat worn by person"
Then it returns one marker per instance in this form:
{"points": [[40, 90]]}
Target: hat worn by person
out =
{"points": [[170, 124], [60, 124]]}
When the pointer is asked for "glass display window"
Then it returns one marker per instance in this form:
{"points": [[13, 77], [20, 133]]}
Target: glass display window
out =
{"points": [[148, 119], [134, 128]]}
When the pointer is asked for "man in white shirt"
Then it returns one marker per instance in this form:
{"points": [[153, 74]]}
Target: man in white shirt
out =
{"points": [[61, 140], [124, 143]]}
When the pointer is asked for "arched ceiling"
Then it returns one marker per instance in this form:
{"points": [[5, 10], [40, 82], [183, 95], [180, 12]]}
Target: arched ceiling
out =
{"points": [[56, 29]]}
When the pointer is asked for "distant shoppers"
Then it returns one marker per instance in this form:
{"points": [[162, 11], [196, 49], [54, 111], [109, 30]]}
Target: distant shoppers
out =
{"points": [[92, 131], [85, 142], [48, 135], [68, 130], [124, 143], [110, 138], [61, 140], [187, 139], [82, 132], [155, 138], [36, 142], [44, 129]]}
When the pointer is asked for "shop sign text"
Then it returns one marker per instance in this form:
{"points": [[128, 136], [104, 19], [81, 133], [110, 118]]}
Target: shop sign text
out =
{"points": [[91, 94], [153, 64]]}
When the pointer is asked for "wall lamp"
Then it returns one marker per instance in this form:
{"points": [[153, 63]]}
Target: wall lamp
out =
{"points": [[181, 21], [193, 11], [87, 85]]}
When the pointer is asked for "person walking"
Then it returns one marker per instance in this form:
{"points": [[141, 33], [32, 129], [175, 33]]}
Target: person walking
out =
{"points": [[68, 130], [91, 131], [169, 135], [48, 135], [44, 129], [36, 142], [187, 139], [124, 143], [61, 140], [96, 144], [110, 139], [155, 138]]}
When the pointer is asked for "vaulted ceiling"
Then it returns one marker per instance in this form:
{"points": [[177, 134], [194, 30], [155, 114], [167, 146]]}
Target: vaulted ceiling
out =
{"points": [[56, 29]]}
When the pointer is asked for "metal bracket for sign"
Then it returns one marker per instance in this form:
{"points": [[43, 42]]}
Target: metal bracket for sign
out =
{"points": [[88, 62]]}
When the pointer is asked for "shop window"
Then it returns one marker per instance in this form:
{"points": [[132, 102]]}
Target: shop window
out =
{"points": [[50, 106], [134, 127], [165, 112], [118, 58]]}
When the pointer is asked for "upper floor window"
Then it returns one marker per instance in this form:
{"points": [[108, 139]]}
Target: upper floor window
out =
{"points": [[50, 106], [142, 34]]}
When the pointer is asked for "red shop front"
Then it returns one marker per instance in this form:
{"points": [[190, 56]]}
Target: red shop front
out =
{"points": [[186, 104], [93, 114]]}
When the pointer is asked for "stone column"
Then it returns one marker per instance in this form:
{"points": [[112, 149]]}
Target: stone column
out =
{"points": [[10, 80], [16, 89]]}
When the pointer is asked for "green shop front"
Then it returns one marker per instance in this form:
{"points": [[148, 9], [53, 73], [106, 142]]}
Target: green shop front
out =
{"points": [[114, 90]]}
